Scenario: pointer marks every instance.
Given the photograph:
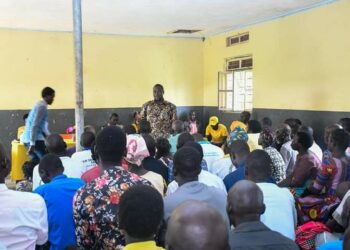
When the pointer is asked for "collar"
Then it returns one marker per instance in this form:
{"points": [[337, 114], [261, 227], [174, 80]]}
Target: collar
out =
{"points": [[3, 187], [252, 226], [204, 142], [141, 245], [59, 177]]}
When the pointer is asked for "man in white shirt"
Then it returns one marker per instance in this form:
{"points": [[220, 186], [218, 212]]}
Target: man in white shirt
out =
{"points": [[211, 152], [23, 216], [84, 157], [222, 167], [289, 155], [56, 145], [280, 214]]}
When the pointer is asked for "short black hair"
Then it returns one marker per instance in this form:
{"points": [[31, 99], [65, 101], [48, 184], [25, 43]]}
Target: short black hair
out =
{"points": [[47, 91], [25, 116], [140, 211], [266, 122], [150, 143], [86, 139], [163, 147], [187, 162], [135, 114], [254, 126], [258, 165], [294, 124], [55, 144], [196, 146], [183, 139], [345, 123], [145, 127], [129, 129], [245, 117], [239, 147], [341, 138], [51, 163], [111, 144], [114, 115], [159, 86], [305, 139]]}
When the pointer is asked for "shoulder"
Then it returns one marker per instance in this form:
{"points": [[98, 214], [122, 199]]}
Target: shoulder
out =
{"points": [[167, 103], [29, 199], [147, 104]]}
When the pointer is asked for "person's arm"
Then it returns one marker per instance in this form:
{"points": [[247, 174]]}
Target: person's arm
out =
{"points": [[144, 111], [173, 113], [39, 116], [286, 182]]}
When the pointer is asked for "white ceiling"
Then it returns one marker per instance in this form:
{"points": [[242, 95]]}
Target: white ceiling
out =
{"points": [[147, 17]]}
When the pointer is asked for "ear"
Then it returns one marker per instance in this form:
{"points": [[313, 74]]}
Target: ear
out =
{"points": [[263, 208]]}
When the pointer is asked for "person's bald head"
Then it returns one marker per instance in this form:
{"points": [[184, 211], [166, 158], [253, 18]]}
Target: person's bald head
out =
{"points": [[55, 144], [245, 202], [196, 225], [258, 166], [328, 131], [178, 126], [239, 150]]}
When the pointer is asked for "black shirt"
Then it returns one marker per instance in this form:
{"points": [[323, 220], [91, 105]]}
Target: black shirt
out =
{"points": [[255, 236], [151, 164]]}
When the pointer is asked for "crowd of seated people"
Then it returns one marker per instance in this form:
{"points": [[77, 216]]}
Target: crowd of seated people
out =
{"points": [[249, 187]]}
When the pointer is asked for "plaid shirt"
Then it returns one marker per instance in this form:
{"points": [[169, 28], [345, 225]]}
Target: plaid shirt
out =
{"points": [[278, 165], [95, 208]]}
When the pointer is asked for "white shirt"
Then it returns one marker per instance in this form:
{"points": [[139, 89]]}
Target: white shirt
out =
{"points": [[280, 214], [72, 169], [222, 167], [338, 212], [317, 151], [289, 156], [204, 177], [23, 219], [84, 157], [211, 153]]}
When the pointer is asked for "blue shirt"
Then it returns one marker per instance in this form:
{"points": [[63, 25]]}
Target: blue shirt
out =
{"points": [[333, 245], [173, 143], [235, 176], [58, 196]]}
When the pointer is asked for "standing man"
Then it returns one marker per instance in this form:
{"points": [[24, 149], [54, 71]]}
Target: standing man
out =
{"points": [[37, 125], [159, 113]]}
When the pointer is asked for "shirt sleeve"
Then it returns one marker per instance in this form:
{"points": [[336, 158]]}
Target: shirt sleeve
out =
{"points": [[39, 116], [224, 131], [42, 230]]}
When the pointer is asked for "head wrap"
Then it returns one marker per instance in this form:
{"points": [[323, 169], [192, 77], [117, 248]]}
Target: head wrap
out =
{"points": [[136, 149], [237, 134]]}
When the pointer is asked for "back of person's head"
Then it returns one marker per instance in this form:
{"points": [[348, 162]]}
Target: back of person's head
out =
{"points": [[345, 123], [239, 149], [196, 225], [129, 129], [140, 212], [197, 147], [328, 131], [47, 91], [305, 139], [178, 126], [266, 122], [245, 202], [86, 139], [245, 117], [145, 127], [90, 128], [267, 137], [294, 124], [55, 144], [151, 144], [254, 126], [187, 163], [49, 167], [198, 137], [339, 138], [307, 129], [110, 145], [183, 139], [258, 166], [163, 148]]}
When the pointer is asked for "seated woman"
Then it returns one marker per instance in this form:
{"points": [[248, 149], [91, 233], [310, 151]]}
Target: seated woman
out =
{"points": [[136, 152], [306, 165], [320, 197], [278, 171]]}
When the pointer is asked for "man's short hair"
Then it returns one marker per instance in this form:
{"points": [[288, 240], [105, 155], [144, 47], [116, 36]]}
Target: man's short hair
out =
{"points": [[258, 165], [239, 147], [87, 139], [187, 162], [245, 116], [341, 138], [163, 147], [158, 85], [51, 164], [183, 139], [196, 146], [145, 127], [55, 144], [111, 144], [305, 139], [150, 143], [140, 211], [47, 91], [254, 126], [266, 122]]}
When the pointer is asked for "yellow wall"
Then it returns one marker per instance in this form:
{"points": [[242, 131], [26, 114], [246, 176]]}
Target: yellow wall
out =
{"points": [[119, 71], [300, 61]]}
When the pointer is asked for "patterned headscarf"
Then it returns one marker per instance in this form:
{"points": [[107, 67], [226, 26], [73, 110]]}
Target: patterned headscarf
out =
{"points": [[237, 134], [267, 137], [136, 149]]}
